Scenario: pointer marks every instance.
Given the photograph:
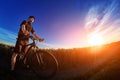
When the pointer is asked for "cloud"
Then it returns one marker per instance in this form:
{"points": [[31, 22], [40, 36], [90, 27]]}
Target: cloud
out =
{"points": [[104, 20], [7, 36]]}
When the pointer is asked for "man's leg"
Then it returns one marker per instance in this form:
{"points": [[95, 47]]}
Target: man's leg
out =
{"points": [[13, 61], [14, 56]]}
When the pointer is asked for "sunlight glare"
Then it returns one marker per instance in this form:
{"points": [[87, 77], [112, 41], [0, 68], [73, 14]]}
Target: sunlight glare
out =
{"points": [[95, 39]]}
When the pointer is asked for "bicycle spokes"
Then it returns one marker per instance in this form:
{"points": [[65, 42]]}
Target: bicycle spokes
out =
{"points": [[40, 58]]}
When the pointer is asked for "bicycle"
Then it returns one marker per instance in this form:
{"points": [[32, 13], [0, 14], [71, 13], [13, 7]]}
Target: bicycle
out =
{"points": [[41, 62]]}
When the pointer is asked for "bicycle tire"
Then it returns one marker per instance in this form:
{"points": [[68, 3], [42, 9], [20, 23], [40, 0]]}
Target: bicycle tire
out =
{"points": [[44, 70]]}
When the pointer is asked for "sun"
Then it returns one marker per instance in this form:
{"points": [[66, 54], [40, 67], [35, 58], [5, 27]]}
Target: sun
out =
{"points": [[95, 39]]}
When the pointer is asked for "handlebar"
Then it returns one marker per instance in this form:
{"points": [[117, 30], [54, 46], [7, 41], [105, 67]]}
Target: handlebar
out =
{"points": [[35, 41], [33, 38]]}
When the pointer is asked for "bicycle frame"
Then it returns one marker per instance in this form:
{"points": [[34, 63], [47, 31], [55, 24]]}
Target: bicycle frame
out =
{"points": [[33, 44]]}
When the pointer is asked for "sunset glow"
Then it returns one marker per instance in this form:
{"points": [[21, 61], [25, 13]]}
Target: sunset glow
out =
{"points": [[95, 39]]}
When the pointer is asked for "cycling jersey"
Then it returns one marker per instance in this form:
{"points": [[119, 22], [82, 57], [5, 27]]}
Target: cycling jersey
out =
{"points": [[28, 27]]}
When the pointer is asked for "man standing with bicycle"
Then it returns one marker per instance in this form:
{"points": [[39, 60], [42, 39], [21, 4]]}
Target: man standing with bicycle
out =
{"points": [[23, 38]]}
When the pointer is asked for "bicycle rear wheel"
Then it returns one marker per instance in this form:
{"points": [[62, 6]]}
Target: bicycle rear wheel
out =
{"points": [[44, 64]]}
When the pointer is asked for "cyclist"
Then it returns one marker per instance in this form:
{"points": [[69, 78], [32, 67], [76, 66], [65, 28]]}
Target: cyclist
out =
{"points": [[23, 38]]}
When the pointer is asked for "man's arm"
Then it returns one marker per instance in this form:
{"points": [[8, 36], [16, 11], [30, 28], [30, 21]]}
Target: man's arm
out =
{"points": [[37, 37], [24, 30]]}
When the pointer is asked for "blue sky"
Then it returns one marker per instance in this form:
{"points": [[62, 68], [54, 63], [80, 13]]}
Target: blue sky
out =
{"points": [[63, 23]]}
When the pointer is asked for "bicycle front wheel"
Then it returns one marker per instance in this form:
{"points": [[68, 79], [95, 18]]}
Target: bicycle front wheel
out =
{"points": [[44, 64]]}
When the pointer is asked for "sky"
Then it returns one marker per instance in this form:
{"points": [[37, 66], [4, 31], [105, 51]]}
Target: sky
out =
{"points": [[62, 23]]}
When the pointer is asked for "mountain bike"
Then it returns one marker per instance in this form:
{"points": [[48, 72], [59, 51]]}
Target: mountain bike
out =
{"points": [[41, 62]]}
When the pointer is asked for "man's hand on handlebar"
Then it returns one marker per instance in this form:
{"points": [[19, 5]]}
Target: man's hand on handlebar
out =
{"points": [[41, 39]]}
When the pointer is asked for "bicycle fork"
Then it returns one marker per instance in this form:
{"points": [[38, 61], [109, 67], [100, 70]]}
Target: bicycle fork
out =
{"points": [[39, 59]]}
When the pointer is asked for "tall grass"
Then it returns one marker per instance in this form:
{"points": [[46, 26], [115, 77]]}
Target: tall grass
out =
{"points": [[77, 58]]}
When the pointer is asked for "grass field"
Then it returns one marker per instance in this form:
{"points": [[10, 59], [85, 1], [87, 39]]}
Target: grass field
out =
{"points": [[91, 63]]}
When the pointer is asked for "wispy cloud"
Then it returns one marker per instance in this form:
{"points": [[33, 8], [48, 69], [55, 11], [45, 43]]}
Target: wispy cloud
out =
{"points": [[7, 36], [104, 20]]}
